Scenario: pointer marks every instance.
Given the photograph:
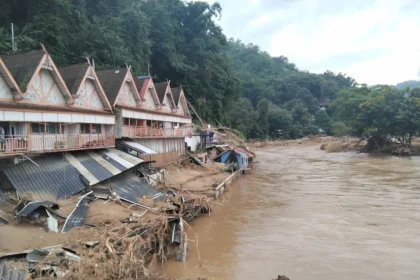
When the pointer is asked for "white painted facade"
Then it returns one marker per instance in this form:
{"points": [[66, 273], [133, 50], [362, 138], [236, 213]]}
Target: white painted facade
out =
{"points": [[88, 96], [41, 125], [25, 116], [5, 92], [164, 145], [127, 95], [166, 105], [149, 103], [126, 113]]}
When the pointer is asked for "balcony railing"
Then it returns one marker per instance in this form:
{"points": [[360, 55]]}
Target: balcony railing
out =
{"points": [[15, 144], [131, 131]]}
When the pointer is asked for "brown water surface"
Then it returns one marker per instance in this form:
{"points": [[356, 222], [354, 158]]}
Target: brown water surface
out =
{"points": [[311, 215]]}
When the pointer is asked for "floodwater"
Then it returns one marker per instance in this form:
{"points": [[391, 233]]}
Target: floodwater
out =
{"points": [[307, 214]]}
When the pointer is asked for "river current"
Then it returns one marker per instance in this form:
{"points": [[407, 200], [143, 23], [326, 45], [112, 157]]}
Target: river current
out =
{"points": [[308, 214]]}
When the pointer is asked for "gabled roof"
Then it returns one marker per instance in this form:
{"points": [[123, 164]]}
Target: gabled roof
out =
{"points": [[176, 93], [161, 90], [10, 81], [23, 66], [142, 84], [74, 76], [112, 81]]}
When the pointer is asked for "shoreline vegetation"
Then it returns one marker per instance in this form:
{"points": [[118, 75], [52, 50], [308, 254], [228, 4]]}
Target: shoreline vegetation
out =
{"points": [[347, 144]]}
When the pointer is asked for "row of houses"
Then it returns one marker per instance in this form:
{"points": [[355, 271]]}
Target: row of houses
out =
{"points": [[44, 108]]}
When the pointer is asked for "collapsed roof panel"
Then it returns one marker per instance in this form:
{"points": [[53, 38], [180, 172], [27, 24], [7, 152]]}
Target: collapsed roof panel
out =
{"points": [[59, 176], [53, 177]]}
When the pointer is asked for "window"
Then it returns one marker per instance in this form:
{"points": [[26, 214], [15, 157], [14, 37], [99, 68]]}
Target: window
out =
{"points": [[38, 128], [53, 128], [85, 128], [96, 128], [126, 121]]}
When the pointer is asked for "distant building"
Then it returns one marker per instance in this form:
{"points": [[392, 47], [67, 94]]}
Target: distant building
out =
{"points": [[323, 105]]}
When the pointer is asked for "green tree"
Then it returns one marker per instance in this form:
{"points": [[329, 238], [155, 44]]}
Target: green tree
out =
{"points": [[262, 109], [346, 107], [279, 122], [243, 117], [323, 121], [339, 129]]}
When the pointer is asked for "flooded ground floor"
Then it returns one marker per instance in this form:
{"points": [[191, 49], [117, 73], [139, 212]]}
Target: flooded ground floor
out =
{"points": [[308, 214]]}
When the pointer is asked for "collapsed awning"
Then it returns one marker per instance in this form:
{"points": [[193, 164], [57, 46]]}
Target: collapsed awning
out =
{"points": [[61, 175], [128, 186]]}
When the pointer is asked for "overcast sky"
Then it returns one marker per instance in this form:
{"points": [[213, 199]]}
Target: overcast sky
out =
{"points": [[375, 42]]}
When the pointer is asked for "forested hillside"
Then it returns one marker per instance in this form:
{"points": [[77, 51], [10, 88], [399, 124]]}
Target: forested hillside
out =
{"points": [[410, 83], [225, 80]]}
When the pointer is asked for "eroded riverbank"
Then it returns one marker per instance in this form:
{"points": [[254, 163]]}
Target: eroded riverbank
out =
{"points": [[308, 214]]}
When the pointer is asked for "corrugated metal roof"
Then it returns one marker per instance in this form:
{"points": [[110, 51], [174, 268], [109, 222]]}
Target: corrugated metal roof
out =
{"points": [[130, 186], [8, 273], [136, 147], [61, 176], [111, 168], [100, 172], [2, 197], [111, 161], [123, 158], [54, 178], [78, 215]]}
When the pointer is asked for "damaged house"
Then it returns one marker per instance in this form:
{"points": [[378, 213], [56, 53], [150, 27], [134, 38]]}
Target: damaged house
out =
{"points": [[59, 126], [149, 120], [42, 111]]}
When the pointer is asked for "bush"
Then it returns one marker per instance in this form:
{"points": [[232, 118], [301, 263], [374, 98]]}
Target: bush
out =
{"points": [[311, 129], [339, 129]]}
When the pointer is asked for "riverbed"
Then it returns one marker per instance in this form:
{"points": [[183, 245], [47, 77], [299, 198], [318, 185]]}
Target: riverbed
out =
{"points": [[308, 214]]}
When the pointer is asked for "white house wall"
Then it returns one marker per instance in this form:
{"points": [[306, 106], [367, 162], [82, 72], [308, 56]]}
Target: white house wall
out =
{"points": [[88, 96], [167, 107], [126, 97], [5, 92], [154, 117], [180, 109], [149, 103], [44, 89], [164, 145], [192, 142], [22, 116]]}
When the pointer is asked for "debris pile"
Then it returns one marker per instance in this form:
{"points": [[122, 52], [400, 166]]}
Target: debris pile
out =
{"points": [[124, 251], [340, 145]]}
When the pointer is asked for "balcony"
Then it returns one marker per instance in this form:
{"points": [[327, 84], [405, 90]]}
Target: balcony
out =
{"points": [[23, 144], [148, 132]]}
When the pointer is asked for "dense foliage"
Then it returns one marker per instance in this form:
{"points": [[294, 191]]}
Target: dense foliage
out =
{"points": [[179, 40], [293, 96], [225, 80], [380, 112]]}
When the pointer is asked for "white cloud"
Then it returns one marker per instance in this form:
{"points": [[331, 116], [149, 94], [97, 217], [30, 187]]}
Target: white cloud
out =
{"points": [[380, 27], [261, 20], [372, 41]]}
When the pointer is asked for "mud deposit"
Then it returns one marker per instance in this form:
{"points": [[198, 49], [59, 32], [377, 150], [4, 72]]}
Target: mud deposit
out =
{"points": [[308, 214]]}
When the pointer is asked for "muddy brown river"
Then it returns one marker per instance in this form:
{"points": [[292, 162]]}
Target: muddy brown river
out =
{"points": [[307, 214]]}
